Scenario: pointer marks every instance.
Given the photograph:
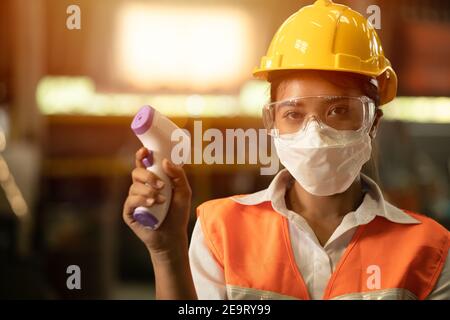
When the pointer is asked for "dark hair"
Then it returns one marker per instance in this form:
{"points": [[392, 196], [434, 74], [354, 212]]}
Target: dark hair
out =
{"points": [[370, 168]]}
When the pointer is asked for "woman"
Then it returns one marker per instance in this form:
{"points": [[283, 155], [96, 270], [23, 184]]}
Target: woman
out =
{"points": [[322, 229]]}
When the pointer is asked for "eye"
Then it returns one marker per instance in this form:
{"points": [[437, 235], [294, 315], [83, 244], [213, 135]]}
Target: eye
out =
{"points": [[338, 110], [293, 115]]}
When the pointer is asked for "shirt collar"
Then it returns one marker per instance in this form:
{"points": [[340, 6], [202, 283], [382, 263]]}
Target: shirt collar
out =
{"points": [[373, 204]]}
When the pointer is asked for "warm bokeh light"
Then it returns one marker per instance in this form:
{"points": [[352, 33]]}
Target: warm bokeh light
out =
{"points": [[55, 95], [77, 95], [183, 48], [419, 109]]}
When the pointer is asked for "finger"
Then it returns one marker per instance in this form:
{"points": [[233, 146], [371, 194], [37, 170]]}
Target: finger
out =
{"points": [[135, 201], [177, 176], [160, 199], [145, 176], [132, 202], [141, 154], [181, 196], [140, 189]]}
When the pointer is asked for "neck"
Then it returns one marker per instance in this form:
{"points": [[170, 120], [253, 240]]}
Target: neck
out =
{"points": [[324, 213]]}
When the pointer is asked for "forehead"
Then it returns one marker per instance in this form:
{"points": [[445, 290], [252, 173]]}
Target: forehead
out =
{"points": [[315, 83]]}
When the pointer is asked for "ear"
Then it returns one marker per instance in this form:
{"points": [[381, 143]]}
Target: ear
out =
{"points": [[376, 123]]}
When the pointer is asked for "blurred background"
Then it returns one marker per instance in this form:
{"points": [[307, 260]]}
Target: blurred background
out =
{"points": [[67, 97]]}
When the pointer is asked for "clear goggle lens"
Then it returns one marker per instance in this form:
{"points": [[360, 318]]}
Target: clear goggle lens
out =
{"points": [[338, 112]]}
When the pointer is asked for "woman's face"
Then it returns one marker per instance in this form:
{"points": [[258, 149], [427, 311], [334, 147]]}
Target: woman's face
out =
{"points": [[316, 83]]}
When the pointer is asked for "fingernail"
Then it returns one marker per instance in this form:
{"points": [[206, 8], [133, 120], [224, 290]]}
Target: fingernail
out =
{"points": [[159, 184], [150, 201], [161, 198]]}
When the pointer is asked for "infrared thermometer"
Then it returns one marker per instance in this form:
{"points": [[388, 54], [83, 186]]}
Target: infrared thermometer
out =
{"points": [[155, 131]]}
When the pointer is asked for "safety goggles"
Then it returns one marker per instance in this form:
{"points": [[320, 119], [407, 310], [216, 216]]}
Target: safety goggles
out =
{"points": [[338, 112]]}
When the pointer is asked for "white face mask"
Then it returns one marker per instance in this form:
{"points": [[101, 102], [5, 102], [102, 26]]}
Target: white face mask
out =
{"points": [[325, 161]]}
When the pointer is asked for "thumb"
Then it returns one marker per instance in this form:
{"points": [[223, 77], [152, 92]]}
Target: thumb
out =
{"points": [[177, 176]]}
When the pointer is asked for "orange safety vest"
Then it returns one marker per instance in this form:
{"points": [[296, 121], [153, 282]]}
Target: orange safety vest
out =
{"points": [[384, 260]]}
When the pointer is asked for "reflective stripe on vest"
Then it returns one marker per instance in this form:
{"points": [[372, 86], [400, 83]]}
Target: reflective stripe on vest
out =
{"points": [[384, 260]]}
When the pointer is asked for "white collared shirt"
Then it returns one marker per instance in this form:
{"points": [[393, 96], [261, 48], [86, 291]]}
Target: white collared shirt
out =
{"points": [[315, 262]]}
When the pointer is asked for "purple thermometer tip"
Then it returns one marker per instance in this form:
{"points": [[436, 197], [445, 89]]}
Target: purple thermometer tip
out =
{"points": [[143, 120], [145, 218]]}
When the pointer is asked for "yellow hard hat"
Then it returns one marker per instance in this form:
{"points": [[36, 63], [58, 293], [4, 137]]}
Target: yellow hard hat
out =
{"points": [[329, 36]]}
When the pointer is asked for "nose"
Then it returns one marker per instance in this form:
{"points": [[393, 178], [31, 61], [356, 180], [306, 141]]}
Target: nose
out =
{"points": [[311, 120]]}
